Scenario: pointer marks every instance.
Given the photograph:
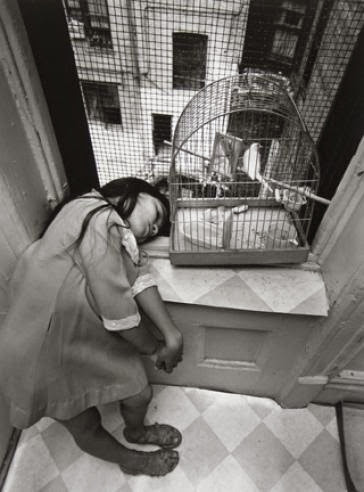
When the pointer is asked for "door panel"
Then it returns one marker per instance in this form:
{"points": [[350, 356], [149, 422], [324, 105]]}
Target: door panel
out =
{"points": [[239, 351]]}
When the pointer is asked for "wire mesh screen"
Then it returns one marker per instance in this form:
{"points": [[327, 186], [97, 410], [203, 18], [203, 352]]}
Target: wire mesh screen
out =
{"points": [[140, 62]]}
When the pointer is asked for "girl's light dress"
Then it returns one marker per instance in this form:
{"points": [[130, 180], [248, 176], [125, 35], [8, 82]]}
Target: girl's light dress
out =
{"points": [[60, 350]]}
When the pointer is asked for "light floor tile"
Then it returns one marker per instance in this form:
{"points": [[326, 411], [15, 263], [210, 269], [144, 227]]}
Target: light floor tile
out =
{"points": [[172, 406], [297, 480], [238, 421], [332, 427], [175, 481], [56, 485], [296, 429], [324, 413], [268, 285], [322, 461], [28, 434], [88, 474], [228, 476], [189, 284], [262, 406], [201, 451], [201, 398], [234, 293], [32, 465], [61, 445], [263, 457], [44, 423], [125, 488]]}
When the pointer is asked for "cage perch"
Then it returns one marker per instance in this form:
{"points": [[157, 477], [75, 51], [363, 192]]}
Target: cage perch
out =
{"points": [[256, 174]]}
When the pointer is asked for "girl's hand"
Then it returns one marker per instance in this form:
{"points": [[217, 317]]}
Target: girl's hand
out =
{"points": [[170, 354]]}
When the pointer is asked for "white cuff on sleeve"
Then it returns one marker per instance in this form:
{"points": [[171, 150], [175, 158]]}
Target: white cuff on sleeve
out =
{"points": [[142, 283], [122, 324]]}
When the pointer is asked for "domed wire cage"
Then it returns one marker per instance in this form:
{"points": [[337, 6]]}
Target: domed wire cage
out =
{"points": [[244, 171]]}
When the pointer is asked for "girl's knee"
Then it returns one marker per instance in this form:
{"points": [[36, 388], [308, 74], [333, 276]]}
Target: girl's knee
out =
{"points": [[140, 399]]}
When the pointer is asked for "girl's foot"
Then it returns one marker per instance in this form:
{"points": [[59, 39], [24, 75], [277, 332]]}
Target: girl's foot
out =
{"points": [[162, 435], [154, 464]]}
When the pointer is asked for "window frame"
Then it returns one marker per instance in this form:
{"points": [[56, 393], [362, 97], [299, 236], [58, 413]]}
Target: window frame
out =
{"points": [[97, 36], [96, 90]]}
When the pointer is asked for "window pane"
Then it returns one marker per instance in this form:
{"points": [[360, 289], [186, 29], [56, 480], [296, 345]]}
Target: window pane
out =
{"points": [[189, 60], [98, 7], [102, 102], [284, 43]]}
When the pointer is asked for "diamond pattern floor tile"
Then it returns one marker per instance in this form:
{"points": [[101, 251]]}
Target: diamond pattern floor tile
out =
{"points": [[231, 443], [56, 485], [297, 480], [228, 475], [61, 446], [238, 422], [201, 451], [92, 475], [267, 289], [296, 429], [263, 457], [322, 461]]}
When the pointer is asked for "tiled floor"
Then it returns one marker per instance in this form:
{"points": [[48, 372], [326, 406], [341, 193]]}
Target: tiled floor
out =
{"points": [[230, 443]]}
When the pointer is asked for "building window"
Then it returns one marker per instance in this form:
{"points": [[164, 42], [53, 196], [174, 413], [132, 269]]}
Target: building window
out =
{"points": [[276, 33], [287, 29], [162, 130], [189, 60], [89, 19], [102, 102]]}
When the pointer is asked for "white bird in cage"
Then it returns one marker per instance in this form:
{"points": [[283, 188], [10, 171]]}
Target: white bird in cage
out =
{"points": [[252, 162]]}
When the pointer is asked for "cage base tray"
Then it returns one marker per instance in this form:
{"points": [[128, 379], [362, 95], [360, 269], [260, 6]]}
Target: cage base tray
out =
{"points": [[251, 257], [230, 240]]}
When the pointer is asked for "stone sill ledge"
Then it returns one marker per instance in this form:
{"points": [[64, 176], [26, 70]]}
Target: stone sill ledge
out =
{"points": [[288, 289]]}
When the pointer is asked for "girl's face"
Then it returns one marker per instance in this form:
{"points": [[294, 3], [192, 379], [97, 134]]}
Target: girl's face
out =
{"points": [[147, 217]]}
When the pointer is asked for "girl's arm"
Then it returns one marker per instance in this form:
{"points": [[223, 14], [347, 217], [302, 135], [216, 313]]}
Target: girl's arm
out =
{"points": [[142, 339], [152, 304]]}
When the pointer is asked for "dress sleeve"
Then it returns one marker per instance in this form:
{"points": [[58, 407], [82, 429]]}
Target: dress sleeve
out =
{"points": [[109, 273]]}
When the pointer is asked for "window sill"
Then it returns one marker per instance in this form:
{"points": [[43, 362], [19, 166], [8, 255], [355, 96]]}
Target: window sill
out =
{"points": [[288, 289]]}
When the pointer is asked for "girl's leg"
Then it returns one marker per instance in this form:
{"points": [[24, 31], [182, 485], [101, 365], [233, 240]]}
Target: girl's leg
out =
{"points": [[93, 439], [133, 410]]}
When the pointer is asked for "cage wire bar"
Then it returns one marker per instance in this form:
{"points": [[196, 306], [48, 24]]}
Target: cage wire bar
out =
{"points": [[140, 62]]}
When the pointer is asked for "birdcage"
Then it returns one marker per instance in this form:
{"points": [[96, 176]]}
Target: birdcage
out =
{"points": [[244, 175]]}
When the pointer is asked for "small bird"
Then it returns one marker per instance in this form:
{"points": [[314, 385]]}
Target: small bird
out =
{"points": [[252, 162], [252, 165]]}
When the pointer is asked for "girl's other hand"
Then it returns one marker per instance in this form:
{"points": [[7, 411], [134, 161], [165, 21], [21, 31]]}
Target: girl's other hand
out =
{"points": [[170, 354]]}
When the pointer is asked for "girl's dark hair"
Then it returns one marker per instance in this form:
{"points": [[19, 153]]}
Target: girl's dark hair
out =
{"points": [[127, 190]]}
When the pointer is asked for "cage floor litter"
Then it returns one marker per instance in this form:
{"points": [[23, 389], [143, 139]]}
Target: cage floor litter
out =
{"points": [[213, 228]]}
